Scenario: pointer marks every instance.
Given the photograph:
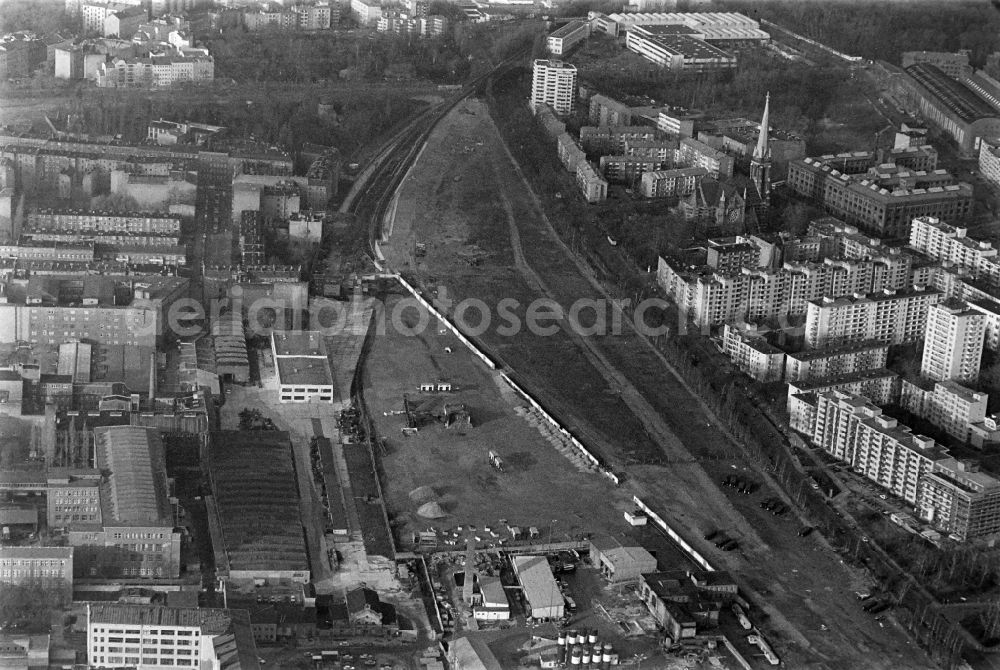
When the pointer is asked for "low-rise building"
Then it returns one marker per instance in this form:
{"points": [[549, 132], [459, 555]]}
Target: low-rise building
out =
{"points": [[302, 366], [627, 169], [570, 153], [618, 563], [605, 140], [678, 49], [545, 600], [562, 40], [667, 183], [150, 637], [591, 183], [694, 153], [48, 567]]}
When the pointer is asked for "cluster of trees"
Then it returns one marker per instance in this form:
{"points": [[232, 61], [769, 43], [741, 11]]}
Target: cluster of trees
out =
{"points": [[883, 31], [801, 95], [277, 115], [39, 16], [27, 608], [254, 419], [313, 58]]}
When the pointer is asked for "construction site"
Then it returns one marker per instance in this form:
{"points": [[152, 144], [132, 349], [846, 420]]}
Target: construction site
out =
{"points": [[467, 224]]}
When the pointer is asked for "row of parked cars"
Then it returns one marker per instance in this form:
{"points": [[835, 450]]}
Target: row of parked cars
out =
{"points": [[722, 541], [744, 486]]}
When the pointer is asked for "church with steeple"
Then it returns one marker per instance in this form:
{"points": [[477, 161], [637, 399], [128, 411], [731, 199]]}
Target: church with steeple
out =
{"points": [[760, 162]]}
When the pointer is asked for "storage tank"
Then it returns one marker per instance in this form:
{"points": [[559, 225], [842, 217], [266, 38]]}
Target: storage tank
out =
{"points": [[614, 659], [585, 658], [606, 653], [570, 638], [574, 657], [592, 637]]}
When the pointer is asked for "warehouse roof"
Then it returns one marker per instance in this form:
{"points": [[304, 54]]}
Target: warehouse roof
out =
{"points": [[955, 95], [536, 578]]}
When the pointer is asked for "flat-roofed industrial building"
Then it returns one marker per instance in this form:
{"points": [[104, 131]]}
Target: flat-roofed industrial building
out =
{"points": [[302, 367]]}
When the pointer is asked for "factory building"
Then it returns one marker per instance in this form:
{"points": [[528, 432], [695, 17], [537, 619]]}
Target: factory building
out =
{"points": [[541, 592]]}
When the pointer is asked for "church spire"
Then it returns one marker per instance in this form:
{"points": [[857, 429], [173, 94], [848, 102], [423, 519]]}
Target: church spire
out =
{"points": [[760, 162], [762, 151]]}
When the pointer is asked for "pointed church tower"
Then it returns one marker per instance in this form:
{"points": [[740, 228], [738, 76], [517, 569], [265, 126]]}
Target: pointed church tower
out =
{"points": [[760, 163]]}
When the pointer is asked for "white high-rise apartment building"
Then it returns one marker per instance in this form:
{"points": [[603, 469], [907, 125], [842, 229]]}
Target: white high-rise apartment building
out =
{"points": [[889, 317], [951, 244], [852, 429], [553, 83], [953, 342]]}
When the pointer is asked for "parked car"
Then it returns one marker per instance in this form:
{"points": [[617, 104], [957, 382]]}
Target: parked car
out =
{"points": [[805, 530]]}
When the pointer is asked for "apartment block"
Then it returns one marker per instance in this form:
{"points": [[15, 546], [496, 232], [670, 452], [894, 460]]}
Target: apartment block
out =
{"points": [[666, 183], [48, 567], [562, 40], [989, 160], [138, 519], [593, 186], [553, 83], [959, 499], [148, 637], [953, 342], [156, 71], [693, 153], [851, 429], [713, 297], [605, 111], [609, 140], [570, 153], [751, 353], [890, 317], [950, 244], [880, 386], [627, 169], [366, 12], [662, 151], [881, 198], [77, 221], [731, 254], [676, 123], [816, 364], [957, 410]]}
